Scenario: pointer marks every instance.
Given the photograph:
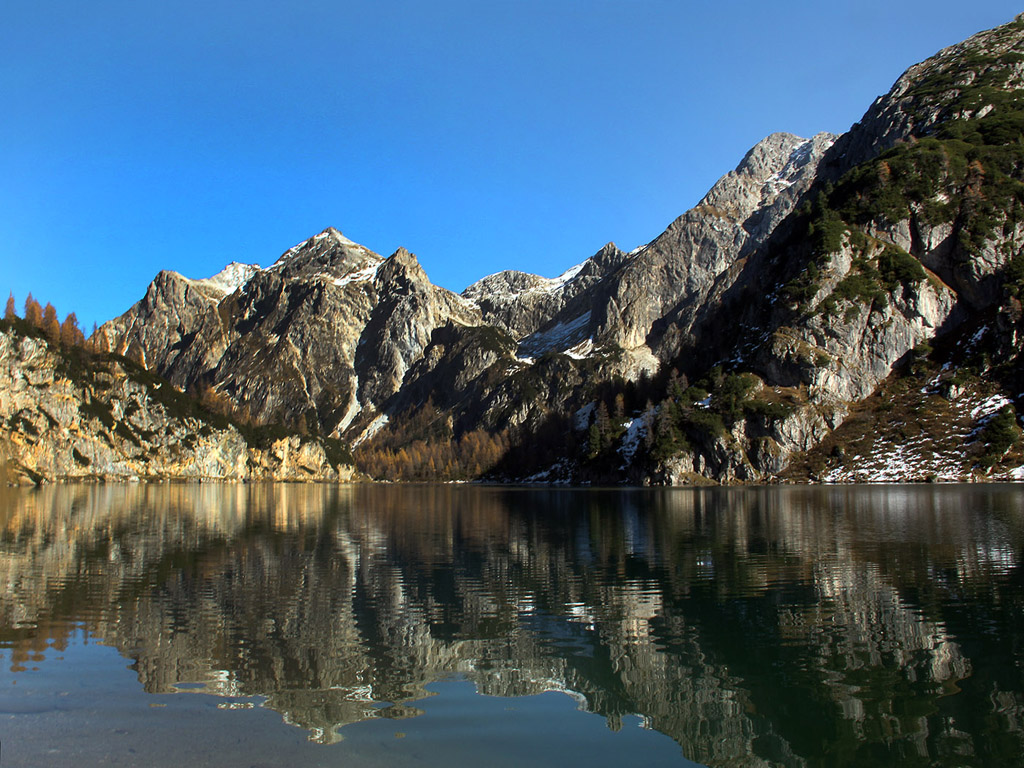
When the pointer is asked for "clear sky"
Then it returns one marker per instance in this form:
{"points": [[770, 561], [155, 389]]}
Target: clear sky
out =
{"points": [[482, 135]]}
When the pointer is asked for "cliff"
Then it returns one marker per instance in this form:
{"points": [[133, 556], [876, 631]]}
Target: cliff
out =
{"points": [[68, 414]]}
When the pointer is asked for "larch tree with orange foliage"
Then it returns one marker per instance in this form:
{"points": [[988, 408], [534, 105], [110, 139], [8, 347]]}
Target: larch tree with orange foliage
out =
{"points": [[33, 312], [50, 324]]}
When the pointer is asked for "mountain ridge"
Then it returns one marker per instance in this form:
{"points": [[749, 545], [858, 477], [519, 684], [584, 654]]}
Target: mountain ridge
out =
{"points": [[727, 347]]}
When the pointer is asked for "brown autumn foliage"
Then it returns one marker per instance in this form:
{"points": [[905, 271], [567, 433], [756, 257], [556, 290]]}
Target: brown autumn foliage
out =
{"points": [[70, 334], [50, 325], [220, 403], [33, 312], [420, 446]]}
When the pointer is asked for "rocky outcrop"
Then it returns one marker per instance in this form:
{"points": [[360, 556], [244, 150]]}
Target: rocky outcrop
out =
{"points": [[66, 415], [656, 298], [409, 309], [929, 93], [523, 305]]}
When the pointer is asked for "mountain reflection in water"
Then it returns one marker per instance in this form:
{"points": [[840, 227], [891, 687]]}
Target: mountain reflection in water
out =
{"points": [[773, 626]]}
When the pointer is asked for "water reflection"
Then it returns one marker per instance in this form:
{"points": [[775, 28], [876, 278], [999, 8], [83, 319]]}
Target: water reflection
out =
{"points": [[793, 626]]}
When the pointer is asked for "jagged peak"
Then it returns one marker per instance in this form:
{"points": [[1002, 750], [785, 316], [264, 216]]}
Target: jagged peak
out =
{"points": [[401, 268], [771, 166], [328, 253], [510, 283], [331, 234], [402, 254], [228, 280], [335, 235]]}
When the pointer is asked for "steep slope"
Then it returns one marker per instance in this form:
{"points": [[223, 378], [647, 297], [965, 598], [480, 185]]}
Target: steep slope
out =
{"points": [[70, 414], [520, 304], [900, 248], [801, 282], [323, 333], [558, 339], [656, 299], [623, 301]]}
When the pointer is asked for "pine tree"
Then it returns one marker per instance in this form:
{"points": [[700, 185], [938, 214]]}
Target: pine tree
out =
{"points": [[10, 313], [604, 425]]}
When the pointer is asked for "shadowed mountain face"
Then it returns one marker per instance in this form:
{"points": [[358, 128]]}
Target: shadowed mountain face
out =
{"points": [[811, 274], [760, 627]]}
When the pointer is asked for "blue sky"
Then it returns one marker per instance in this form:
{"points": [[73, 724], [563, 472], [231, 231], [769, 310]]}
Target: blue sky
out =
{"points": [[139, 136]]}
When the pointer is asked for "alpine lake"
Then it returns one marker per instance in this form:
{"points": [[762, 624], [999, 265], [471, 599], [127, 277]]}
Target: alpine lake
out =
{"points": [[439, 625]]}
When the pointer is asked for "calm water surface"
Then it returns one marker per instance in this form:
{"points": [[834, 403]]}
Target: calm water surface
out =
{"points": [[281, 625]]}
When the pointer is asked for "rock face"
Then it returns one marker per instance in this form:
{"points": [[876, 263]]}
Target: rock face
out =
{"points": [[659, 295], [72, 416], [802, 281], [325, 332]]}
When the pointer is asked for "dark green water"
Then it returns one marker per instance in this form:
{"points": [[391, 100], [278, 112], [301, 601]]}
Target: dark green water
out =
{"points": [[318, 625]]}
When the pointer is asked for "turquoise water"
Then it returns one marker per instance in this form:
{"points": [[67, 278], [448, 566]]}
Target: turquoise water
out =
{"points": [[279, 625]]}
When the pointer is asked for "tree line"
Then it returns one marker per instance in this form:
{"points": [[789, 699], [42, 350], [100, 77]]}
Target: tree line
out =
{"points": [[45, 320], [421, 446]]}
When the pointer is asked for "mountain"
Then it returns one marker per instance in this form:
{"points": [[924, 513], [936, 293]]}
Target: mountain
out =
{"points": [[751, 336], [67, 413], [324, 333]]}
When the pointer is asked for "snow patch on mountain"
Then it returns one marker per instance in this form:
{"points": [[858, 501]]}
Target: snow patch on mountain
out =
{"points": [[364, 275], [372, 429], [560, 336], [636, 430], [234, 276]]}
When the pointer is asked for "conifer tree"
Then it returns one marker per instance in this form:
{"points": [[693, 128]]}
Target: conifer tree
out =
{"points": [[70, 334], [33, 312], [50, 323], [10, 312]]}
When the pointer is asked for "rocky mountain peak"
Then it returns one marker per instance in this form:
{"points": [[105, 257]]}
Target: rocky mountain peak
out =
{"points": [[608, 258], [673, 275], [772, 166], [401, 272], [234, 276], [329, 254], [805, 276]]}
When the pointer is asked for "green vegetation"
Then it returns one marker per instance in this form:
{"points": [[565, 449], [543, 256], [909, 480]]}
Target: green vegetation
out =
{"points": [[871, 282], [967, 172], [1014, 276], [999, 435], [695, 415]]}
